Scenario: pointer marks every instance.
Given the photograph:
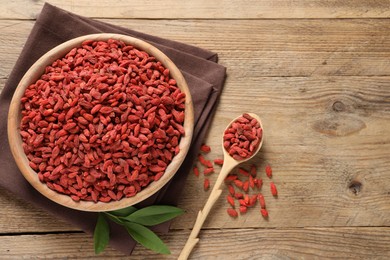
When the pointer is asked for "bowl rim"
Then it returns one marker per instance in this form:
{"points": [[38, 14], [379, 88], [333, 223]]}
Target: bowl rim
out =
{"points": [[32, 75]]}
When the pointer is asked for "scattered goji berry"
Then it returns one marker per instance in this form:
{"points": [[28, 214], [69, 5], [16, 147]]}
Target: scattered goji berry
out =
{"points": [[258, 182], [243, 172], [231, 190], [206, 184], [253, 170], [268, 171], [245, 186], [208, 171], [205, 148], [232, 212], [242, 202], [261, 200], [274, 191], [238, 183], [230, 200], [264, 213], [251, 182], [247, 199], [243, 209], [218, 161], [252, 200], [196, 171], [231, 177], [238, 195], [205, 162]]}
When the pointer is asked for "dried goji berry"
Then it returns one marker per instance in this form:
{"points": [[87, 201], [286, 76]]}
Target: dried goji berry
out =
{"points": [[242, 202], [252, 200], [243, 209], [230, 200], [238, 183], [258, 182], [247, 199], [245, 186], [232, 212], [243, 172], [208, 171], [205, 148], [268, 171], [251, 182], [238, 195], [206, 184], [274, 191], [231, 177], [231, 190], [196, 171], [218, 161], [261, 199], [264, 213], [253, 170], [205, 162]]}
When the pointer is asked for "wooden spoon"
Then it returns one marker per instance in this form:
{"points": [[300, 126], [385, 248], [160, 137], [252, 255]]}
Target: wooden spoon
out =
{"points": [[228, 165]]}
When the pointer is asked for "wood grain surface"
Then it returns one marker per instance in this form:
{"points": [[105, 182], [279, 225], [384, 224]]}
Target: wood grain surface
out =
{"points": [[318, 75], [304, 243], [217, 9]]}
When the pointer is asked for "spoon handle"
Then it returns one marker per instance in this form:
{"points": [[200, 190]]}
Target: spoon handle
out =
{"points": [[228, 165]]}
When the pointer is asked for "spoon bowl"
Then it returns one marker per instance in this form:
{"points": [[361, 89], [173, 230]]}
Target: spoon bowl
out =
{"points": [[228, 159]]}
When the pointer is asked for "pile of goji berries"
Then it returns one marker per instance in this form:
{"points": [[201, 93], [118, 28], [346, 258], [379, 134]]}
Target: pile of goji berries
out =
{"points": [[102, 122], [242, 138], [245, 188], [244, 185]]}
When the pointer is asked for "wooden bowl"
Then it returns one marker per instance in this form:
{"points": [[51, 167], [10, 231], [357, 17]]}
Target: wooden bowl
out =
{"points": [[33, 74]]}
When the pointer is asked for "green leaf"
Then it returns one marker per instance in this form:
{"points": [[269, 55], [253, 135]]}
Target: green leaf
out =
{"points": [[146, 237], [101, 235], [114, 218], [153, 215], [123, 212]]}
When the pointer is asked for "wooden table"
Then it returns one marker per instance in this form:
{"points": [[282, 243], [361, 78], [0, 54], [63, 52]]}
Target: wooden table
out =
{"points": [[318, 74]]}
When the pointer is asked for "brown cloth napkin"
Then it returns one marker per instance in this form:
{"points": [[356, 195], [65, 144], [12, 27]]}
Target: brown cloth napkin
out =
{"points": [[205, 79]]}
